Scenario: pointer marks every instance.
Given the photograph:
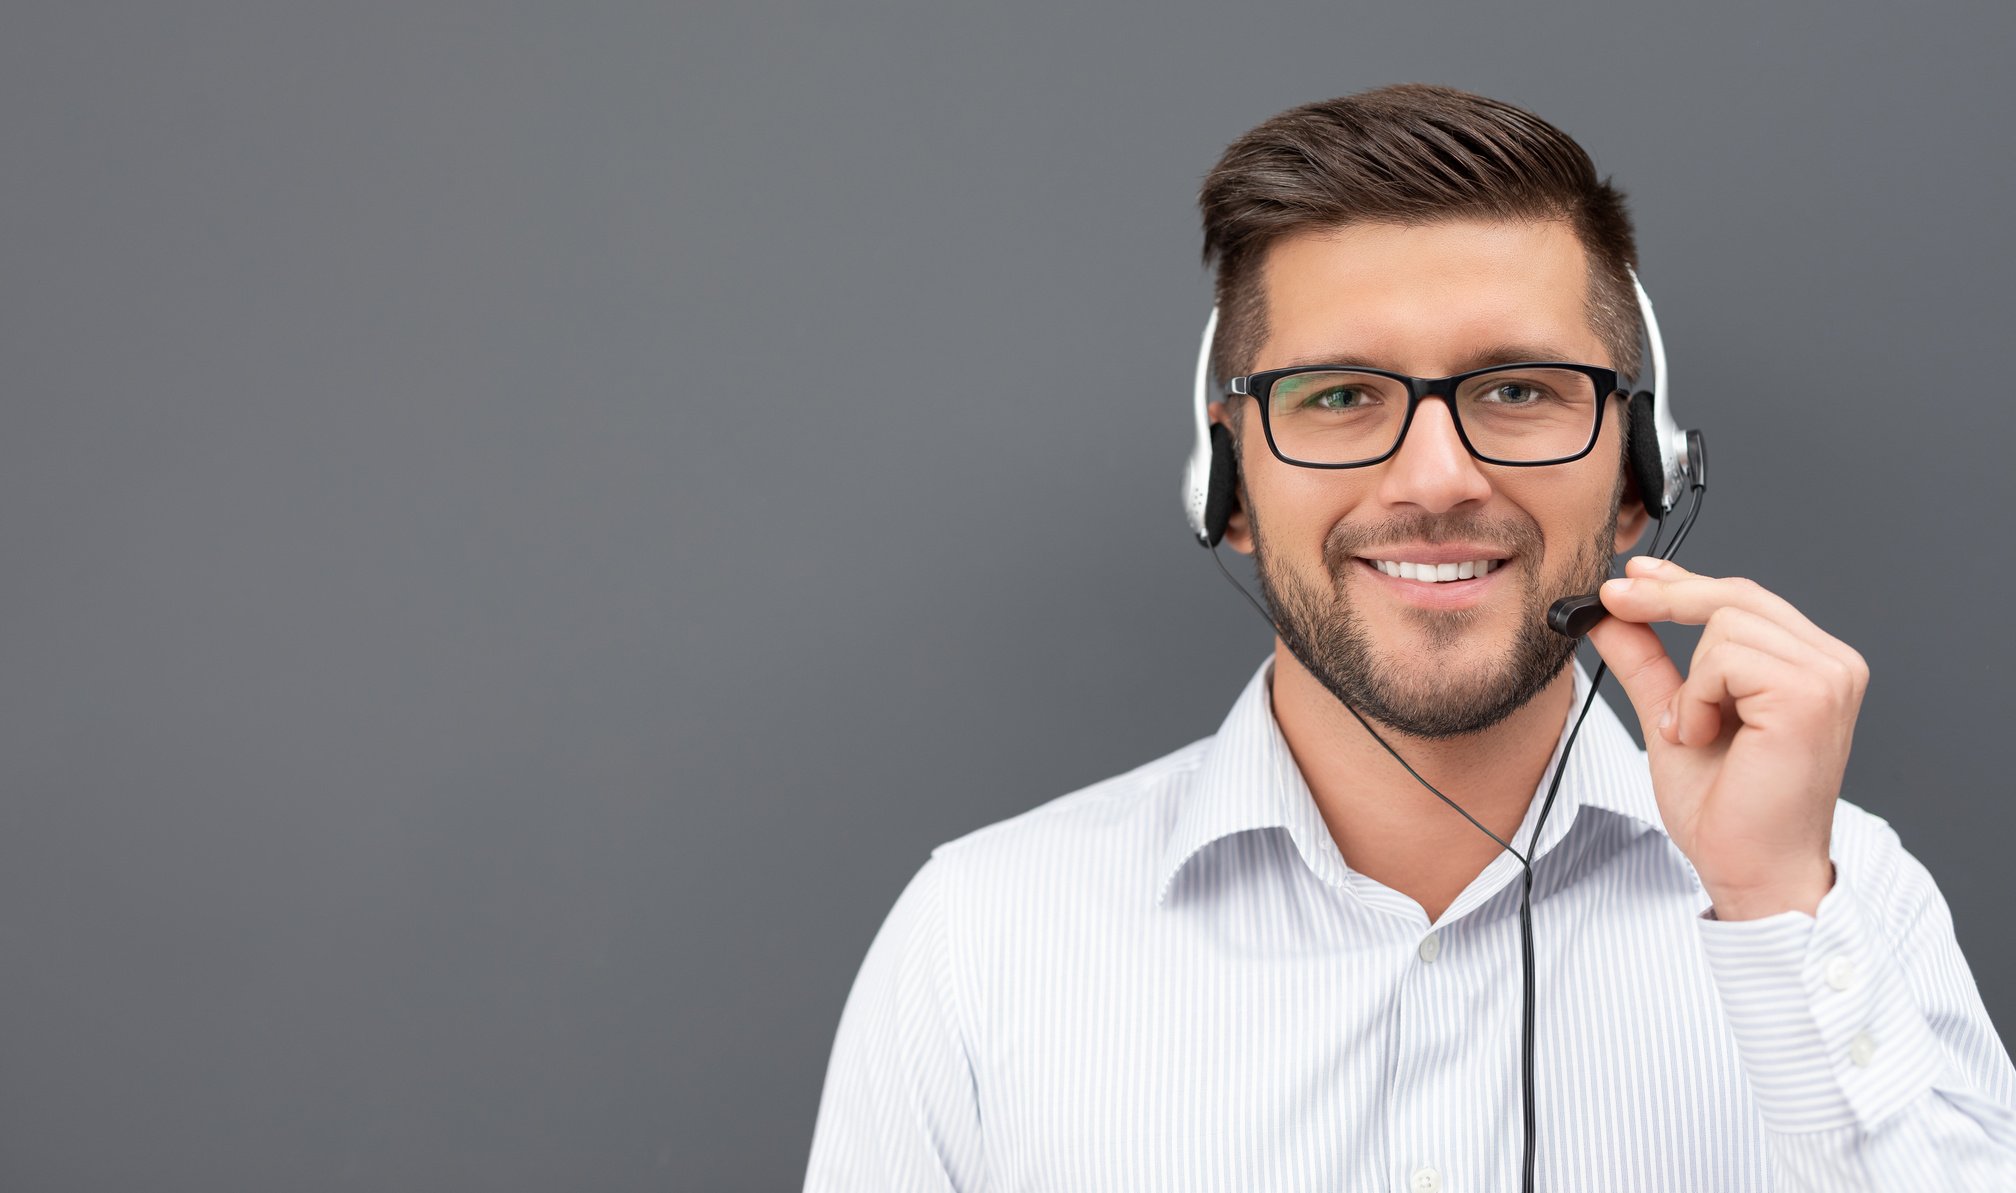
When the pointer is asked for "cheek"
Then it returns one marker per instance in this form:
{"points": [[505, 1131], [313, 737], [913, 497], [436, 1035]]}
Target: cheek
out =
{"points": [[1300, 508], [1572, 516]]}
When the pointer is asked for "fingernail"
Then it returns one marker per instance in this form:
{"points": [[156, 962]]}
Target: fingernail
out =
{"points": [[1618, 585], [1666, 718]]}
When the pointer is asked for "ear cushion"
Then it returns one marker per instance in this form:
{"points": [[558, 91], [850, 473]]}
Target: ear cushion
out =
{"points": [[1647, 469], [1223, 491]]}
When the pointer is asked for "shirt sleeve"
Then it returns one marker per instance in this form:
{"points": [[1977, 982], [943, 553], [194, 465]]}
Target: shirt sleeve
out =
{"points": [[1871, 1058], [900, 1109]]}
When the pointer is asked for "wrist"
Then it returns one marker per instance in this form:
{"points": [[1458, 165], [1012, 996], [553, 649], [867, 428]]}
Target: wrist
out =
{"points": [[1799, 890]]}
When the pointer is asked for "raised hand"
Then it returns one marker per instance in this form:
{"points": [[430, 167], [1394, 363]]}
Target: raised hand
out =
{"points": [[1747, 751]]}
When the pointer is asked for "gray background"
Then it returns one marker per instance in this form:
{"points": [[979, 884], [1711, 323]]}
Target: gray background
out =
{"points": [[523, 525]]}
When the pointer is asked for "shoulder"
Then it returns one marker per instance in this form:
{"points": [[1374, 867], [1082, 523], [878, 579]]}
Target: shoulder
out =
{"points": [[1106, 813], [1101, 836]]}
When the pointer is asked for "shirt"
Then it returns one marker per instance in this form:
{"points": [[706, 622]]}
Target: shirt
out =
{"points": [[1171, 981]]}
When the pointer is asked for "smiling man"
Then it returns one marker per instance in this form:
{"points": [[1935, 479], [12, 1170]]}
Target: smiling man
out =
{"points": [[1364, 569], [1274, 959]]}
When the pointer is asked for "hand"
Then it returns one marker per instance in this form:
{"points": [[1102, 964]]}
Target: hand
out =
{"points": [[1748, 751]]}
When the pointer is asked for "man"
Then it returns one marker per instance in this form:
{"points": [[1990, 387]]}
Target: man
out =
{"points": [[1274, 959]]}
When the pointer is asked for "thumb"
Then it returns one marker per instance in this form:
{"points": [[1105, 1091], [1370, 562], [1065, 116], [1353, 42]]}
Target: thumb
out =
{"points": [[1642, 667]]}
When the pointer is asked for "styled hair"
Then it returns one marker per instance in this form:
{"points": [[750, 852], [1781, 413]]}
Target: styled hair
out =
{"points": [[1408, 154]]}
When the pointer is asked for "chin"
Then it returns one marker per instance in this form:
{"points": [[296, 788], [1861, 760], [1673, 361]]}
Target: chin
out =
{"points": [[1429, 673], [1468, 682]]}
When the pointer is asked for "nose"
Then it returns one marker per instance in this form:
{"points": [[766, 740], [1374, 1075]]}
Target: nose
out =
{"points": [[1433, 470]]}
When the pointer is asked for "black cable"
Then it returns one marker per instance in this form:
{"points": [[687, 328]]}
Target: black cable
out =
{"points": [[1695, 493], [1529, 985]]}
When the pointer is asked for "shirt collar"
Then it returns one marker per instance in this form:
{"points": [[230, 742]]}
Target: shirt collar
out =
{"points": [[1247, 779]]}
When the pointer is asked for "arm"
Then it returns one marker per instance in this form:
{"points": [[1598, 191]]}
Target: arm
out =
{"points": [[1872, 1061], [900, 1111]]}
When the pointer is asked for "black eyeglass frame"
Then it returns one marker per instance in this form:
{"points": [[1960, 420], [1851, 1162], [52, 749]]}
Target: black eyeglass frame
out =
{"points": [[1259, 386]]}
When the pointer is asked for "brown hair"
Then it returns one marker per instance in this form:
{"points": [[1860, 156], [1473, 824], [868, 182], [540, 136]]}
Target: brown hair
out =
{"points": [[1411, 154]]}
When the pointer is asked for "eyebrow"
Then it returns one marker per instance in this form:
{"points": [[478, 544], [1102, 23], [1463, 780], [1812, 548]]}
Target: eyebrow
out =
{"points": [[1496, 354]]}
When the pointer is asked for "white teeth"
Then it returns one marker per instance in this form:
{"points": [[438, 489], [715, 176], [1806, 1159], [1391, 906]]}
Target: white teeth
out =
{"points": [[1437, 573]]}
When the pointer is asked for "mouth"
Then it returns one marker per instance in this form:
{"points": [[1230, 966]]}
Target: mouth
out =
{"points": [[1444, 583], [1435, 573]]}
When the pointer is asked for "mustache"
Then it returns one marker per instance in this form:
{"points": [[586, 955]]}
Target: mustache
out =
{"points": [[1347, 541]]}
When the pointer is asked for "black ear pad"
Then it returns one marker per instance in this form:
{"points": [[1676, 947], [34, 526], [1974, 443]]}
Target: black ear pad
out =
{"points": [[1223, 492], [1646, 468]]}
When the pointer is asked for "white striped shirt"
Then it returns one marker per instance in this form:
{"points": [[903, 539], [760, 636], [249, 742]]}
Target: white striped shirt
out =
{"points": [[1171, 981]]}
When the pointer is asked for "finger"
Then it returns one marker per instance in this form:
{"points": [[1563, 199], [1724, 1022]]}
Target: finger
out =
{"points": [[1700, 717], [1642, 667], [1731, 624], [1838, 655], [1652, 565], [1728, 677], [1662, 595], [1647, 565]]}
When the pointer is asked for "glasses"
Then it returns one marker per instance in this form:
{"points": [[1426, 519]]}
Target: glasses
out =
{"points": [[1347, 416]]}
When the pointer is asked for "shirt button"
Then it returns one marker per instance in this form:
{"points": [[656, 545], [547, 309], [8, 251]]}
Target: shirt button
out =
{"points": [[1431, 948], [1862, 1049], [1427, 1180], [1840, 973]]}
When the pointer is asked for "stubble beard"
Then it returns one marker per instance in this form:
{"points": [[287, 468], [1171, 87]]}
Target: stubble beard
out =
{"points": [[1432, 698]]}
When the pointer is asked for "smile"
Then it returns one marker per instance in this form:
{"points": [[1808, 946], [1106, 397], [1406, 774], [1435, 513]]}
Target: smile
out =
{"points": [[1435, 573], [1439, 578]]}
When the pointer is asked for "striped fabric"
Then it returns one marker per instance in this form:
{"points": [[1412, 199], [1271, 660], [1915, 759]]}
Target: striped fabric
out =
{"points": [[1171, 981]]}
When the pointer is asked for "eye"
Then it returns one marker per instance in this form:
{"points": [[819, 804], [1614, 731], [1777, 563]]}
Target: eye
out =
{"points": [[1514, 393], [1340, 397]]}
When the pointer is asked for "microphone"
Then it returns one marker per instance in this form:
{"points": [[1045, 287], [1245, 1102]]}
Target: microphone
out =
{"points": [[1574, 616]]}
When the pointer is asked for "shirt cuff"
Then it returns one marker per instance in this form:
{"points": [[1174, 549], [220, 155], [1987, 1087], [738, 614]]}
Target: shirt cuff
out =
{"points": [[1822, 1019]]}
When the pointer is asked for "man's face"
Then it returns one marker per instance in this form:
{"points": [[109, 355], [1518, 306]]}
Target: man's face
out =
{"points": [[1431, 659]]}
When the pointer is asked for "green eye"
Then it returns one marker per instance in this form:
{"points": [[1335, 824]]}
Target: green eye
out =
{"points": [[1338, 397]]}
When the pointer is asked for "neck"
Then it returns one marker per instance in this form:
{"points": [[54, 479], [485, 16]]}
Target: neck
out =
{"points": [[1389, 827]]}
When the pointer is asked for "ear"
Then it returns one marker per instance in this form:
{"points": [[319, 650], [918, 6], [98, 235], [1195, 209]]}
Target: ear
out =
{"points": [[1238, 528], [1632, 518]]}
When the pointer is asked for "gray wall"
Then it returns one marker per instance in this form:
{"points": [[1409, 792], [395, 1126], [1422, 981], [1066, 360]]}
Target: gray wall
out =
{"points": [[522, 526]]}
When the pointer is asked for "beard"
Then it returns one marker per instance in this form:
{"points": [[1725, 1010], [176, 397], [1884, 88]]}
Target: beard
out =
{"points": [[1421, 693]]}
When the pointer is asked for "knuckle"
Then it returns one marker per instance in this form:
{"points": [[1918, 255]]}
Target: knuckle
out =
{"points": [[1849, 673], [1730, 618]]}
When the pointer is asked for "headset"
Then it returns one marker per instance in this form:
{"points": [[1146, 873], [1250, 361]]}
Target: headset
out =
{"points": [[1666, 464]]}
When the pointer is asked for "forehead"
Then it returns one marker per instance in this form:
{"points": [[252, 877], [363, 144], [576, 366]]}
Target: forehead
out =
{"points": [[1417, 297]]}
